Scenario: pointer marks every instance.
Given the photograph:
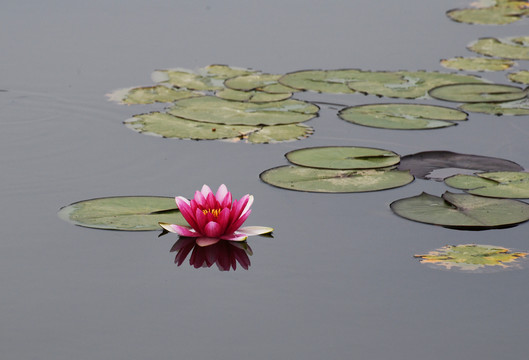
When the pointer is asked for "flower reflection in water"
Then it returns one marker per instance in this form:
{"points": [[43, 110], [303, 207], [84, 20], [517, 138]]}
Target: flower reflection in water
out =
{"points": [[225, 254]]}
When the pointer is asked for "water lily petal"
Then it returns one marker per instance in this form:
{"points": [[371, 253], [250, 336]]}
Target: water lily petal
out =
{"points": [[254, 230], [237, 223], [201, 220], [237, 208], [212, 229], [222, 192], [211, 201], [183, 252], [182, 230], [223, 219], [248, 204], [198, 257], [206, 190], [182, 243], [206, 241], [185, 209], [200, 199], [234, 237]]}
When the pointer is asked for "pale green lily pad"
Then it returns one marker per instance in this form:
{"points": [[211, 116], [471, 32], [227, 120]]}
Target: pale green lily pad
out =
{"points": [[334, 181], [170, 126], [325, 81], [402, 116], [262, 82], [407, 84], [512, 185], [251, 96], [343, 157], [225, 71], [521, 77], [477, 93], [150, 95], [216, 110], [501, 13], [280, 133], [508, 48], [462, 211], [473, 258], [517, 108], [129, 213], [477, 64]]}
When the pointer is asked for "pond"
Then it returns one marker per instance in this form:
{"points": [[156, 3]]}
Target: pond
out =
{"points": [[338, 280]]}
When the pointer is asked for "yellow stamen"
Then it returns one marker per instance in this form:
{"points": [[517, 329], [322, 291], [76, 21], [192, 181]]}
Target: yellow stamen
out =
{"points": [[214, 212]]}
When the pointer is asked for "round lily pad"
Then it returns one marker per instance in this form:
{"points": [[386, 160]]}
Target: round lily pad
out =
{"points": [[251, 96], [150, 95], [215, 110], [462, 211], [477, 64], [477, 93], [402, 116], [422, 164], [129, 213], [517, 108], [334, 181], [473, 258], [516, 48], [513, 185], [343, 157], [521, 77]]}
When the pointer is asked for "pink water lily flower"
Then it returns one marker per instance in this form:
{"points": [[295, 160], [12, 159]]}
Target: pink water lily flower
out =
{"points": [[214, 217]]}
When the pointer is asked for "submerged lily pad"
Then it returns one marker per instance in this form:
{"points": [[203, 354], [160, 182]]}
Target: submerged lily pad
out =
{"points": [[262, 82], [334, 181], [518, 107], [462, 211], [402, 116], [477, 64], [473, 258], [513, 185], [521, 77], [501, 13], [251, 96], [216, 110], [516, 48], [150, 95], [343, 157], [422, 164], [129, 213], [477, 93]]}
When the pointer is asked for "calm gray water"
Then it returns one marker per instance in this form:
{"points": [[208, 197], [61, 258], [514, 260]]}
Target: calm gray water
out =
{"points": [[338, 280]]}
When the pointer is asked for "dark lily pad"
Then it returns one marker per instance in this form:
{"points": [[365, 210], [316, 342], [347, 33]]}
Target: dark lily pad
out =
{"points": [[334, 181], [402, 116], [518, 107], [477, 93], [521, 77], [473, 258], [477, 64], [422, 164], [516, 48], [150, 95], [506, 184], [343, 157], [215, 110], [251, 96], [129, 213], [462, 211]]}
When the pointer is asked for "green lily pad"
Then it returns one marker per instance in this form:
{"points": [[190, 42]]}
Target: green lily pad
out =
{"points": [[473, 258], [501, 13], [334, 181], [462, 211], [216, 110], [513, 185], [325, 81], [508, 48], [251, 96], [129, 213], [517, 108], [225, 71], [407, 84], [343, 157], [262, 82], [423, 164], [477, 93], [521, 77], [170, 126], [477, 64], [150, 95], [280, 133], [402, 116]]}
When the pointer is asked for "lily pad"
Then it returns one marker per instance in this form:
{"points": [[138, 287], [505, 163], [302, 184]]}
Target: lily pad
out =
{"points": [[251, 96], [334, 181], [501, 13], [508, 48], [150, 95], [343, 157], [216, 110], [477, 93], [407, 84], [462, 211], [477, 64], [422, 164], [263, 82], [513, 185], [473, 258], [279, 133], [521, 77], [325, 81], [518, 107], [129, 213], [170, 126], [402, 116]]}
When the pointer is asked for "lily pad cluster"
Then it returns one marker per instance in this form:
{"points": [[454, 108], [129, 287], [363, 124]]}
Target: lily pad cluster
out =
{"points": [[495, 12], [338, 169]]}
